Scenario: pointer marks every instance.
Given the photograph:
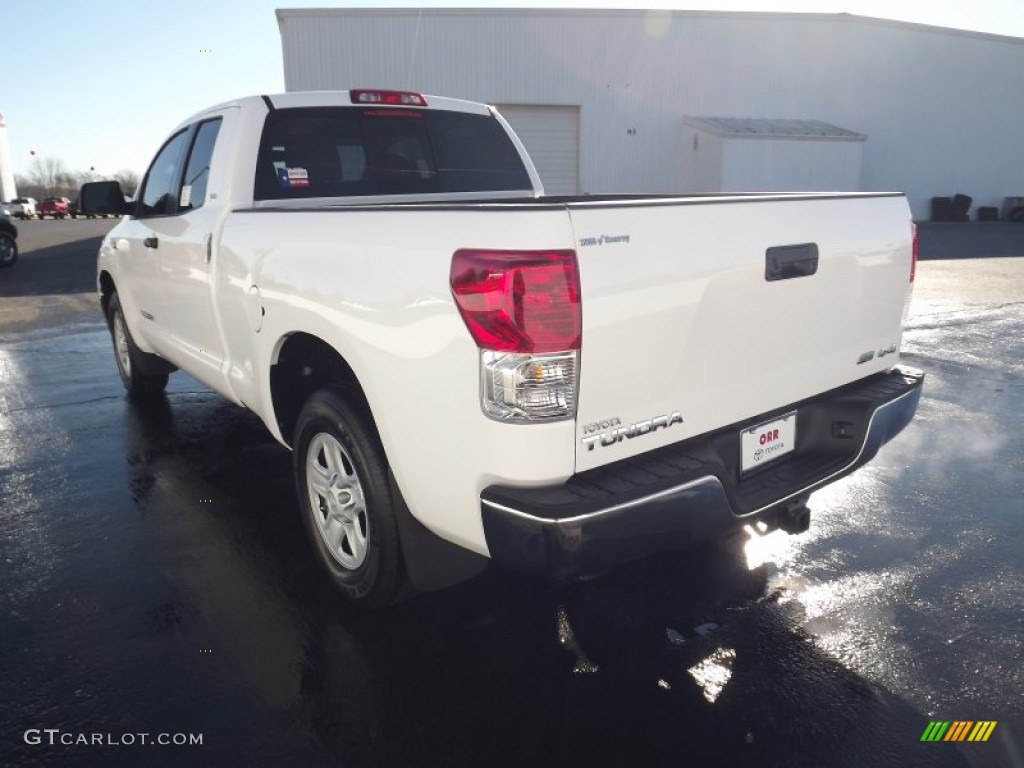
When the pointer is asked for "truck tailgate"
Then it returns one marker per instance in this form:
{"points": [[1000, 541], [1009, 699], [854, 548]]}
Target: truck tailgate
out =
{"points": [[705, 312]]}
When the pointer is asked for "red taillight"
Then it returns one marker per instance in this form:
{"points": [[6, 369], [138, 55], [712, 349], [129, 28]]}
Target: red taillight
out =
{"points": [[519, 301], [913, 258], [396, 98]]}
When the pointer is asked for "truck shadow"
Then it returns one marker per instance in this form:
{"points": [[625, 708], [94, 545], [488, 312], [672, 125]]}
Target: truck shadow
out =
{"points": [[681, 656], [59, 269]]}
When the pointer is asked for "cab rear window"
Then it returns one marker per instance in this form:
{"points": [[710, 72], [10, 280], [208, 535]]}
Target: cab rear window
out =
{"points": [[360, 151]]}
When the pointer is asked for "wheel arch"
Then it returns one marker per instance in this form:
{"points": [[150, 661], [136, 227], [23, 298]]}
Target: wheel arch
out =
{"points": [[106, 286], [302, 363]]}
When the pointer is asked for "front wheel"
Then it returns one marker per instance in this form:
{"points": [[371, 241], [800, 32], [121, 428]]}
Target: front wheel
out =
{"points": [[129, 357], [342, 483], [8, 250]]}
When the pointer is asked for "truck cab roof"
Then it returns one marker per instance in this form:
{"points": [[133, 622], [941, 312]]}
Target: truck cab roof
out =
{"points": [[340, 99]]}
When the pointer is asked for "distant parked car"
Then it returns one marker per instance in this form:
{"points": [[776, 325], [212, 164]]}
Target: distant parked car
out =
{"points": [[8, 241], [58, 207], [22, 207]]}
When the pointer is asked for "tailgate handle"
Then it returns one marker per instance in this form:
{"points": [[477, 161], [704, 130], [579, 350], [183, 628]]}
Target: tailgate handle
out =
{"points": [[784, 262]]}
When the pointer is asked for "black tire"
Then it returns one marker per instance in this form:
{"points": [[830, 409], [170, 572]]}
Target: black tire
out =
{"points": [[961, 207], [129, 358], [346, 519], [941, 208], [8, 250]]}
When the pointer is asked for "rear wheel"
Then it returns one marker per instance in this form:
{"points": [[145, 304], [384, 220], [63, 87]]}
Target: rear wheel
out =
{"points": [[129, 357], [8, 250], [342, 482]]}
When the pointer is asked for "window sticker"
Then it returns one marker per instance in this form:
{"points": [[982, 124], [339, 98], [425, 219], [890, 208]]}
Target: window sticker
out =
{"points": [[291, 178], [186, 196]]}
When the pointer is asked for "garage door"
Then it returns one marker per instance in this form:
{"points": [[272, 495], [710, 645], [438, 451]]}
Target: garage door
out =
{"points": [[551, 136]]}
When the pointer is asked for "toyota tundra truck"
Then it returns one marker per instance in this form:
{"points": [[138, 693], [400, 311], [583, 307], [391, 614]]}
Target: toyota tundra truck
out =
{"points": [[466, 369]]}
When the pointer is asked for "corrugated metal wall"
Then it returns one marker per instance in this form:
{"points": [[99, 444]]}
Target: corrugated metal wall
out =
{"points": [[942, 109], [790, 165]]}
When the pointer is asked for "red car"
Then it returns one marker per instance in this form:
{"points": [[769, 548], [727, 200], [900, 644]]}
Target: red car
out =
{"points": [[58, 207]]}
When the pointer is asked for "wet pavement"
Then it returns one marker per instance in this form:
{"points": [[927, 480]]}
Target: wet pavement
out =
{"points": [[155, 580]]}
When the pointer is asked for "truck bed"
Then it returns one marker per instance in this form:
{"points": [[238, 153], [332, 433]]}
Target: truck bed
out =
{"points": [[679, 312]]}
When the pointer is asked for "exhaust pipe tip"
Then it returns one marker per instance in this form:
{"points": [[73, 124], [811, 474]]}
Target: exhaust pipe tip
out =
{"points": [[795, 518]]}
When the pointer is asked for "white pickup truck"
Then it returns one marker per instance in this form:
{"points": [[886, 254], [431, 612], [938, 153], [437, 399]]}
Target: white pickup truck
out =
{"points": [[466, 369], [21, 207]]}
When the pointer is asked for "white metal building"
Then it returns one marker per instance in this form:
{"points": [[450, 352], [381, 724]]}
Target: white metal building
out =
{"points": [[610, 101], [729, 154]]}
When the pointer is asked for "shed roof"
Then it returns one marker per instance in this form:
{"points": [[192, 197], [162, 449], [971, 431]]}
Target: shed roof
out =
{"points": [[770, 128]]}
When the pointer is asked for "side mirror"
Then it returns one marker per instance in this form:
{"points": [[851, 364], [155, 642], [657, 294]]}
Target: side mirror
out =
{"points": [[104, 197]]}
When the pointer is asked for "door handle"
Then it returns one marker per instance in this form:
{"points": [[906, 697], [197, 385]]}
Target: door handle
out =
{"points": [[784, 262], [151, 242]]}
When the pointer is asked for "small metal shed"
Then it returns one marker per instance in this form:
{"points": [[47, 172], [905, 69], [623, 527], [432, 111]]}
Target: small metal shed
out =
{"points": [[732, 154]]}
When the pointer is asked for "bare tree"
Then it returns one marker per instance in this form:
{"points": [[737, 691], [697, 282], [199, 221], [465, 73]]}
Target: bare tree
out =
{"points": [[51, 176], [129, 180], [68, 185], [27, 187]]}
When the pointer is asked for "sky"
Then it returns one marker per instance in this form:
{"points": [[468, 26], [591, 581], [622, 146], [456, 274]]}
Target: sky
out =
{"points": [[100, 84]]}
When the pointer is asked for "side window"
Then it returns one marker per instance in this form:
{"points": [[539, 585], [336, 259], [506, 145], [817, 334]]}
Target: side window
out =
{"points": [[197, 172], [158, 196]]}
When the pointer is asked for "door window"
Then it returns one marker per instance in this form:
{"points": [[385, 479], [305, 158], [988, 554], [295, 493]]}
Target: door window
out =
{"points": [[158, 196], [192, 194]]}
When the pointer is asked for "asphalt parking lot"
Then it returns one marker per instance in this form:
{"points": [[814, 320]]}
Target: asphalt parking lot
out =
{"points": [[155, 580]]}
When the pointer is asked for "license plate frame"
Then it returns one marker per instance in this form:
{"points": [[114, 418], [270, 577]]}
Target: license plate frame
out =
{"points": [[767, 442]]}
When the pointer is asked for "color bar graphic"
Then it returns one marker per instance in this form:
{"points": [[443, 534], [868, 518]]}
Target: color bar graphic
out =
{"points": [[958, 730]]}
